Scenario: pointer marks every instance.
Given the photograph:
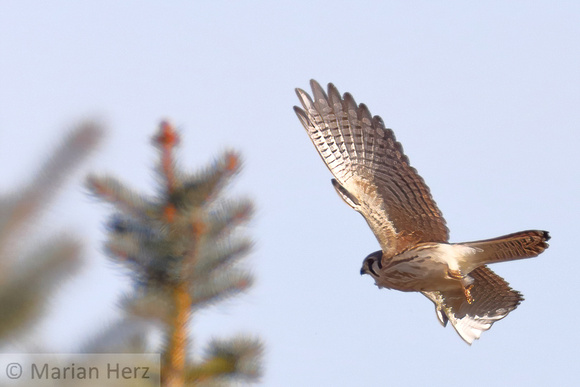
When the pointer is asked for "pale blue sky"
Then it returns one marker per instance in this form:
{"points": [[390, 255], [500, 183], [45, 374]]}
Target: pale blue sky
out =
{"points": [[484, 98]]}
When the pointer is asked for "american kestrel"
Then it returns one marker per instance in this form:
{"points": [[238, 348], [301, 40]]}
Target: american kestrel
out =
{"points": [[374, 177]]}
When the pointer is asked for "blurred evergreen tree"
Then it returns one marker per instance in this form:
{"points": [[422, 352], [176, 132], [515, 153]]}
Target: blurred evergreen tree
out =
{"points": [[181, 249], [31, 266]]}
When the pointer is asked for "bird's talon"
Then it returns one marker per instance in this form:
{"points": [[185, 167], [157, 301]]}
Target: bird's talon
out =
{"points": [[467, 291]]}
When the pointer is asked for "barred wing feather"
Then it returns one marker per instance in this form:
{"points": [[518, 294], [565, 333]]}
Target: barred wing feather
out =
{"points": [[494, 300], [372, 173]]}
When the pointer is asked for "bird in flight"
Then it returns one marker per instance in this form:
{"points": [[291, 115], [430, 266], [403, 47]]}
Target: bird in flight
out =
{"points": [[372, 175]]}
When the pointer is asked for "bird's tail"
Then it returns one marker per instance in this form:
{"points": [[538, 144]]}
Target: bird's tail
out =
{"points": [[519, 245]]}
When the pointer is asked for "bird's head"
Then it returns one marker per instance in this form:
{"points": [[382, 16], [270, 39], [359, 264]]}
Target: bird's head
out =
{"points": [[372, 264]]}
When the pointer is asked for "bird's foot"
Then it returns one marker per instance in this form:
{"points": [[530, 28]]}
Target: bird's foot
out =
{"points": [[467, 291], [465, 283]]}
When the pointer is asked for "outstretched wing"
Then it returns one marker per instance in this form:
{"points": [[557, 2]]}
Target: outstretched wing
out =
{"points": [[493, 300], [372, 173]]}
